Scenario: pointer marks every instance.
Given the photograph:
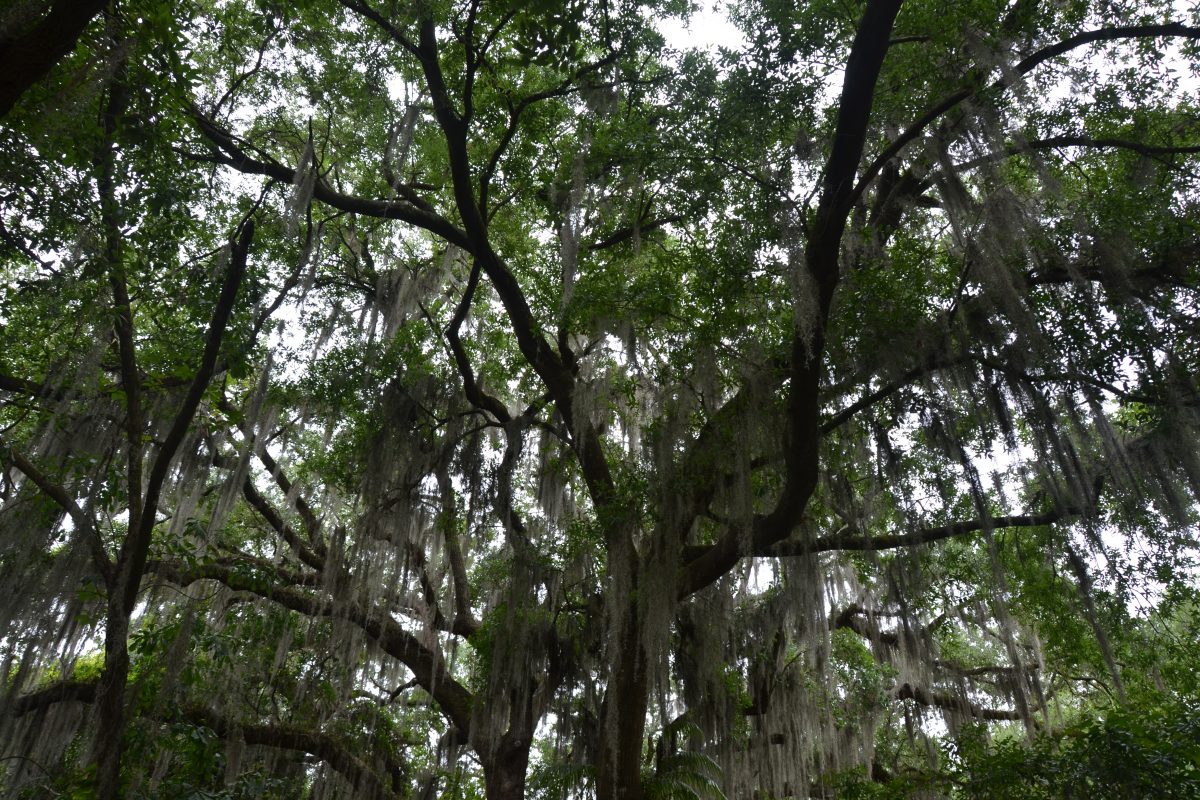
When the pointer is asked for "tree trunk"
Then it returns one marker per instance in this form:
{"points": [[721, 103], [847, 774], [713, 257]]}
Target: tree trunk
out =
{"points": [[623, 721], [110, 701], [504, 774]]}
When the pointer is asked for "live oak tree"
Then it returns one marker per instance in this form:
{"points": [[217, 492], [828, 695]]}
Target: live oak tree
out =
{"points": [[486, 399]]}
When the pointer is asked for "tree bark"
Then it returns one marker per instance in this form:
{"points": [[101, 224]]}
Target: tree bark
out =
{"points": [[27, 58], [504, 773], [619, 771], [110, 701], [131, 564]]}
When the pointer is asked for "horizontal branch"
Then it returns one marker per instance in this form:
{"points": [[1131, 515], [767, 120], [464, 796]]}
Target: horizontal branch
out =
{"points": [[231, 154], [848, 540], [15, 385], [854, 541], [1097, 143], [949, 702], [627, 233], [328, 748], [427, 666], [61, 692], [333, 751]]}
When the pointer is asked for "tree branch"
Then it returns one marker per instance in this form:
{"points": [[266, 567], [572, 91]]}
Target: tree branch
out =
{"points": [[312, 525], [960, 704], [62, 692], [853, 541], [333, 751], [802, 438], [885, 391], [81, 519], [231, 154], [534, 347], [28, 57], [285, 737], [1022, 67], [289, 535], [427, 666], [15, 385], [132, 559], [626, 233], [1055, 142], [477, 397], [848, 540]]}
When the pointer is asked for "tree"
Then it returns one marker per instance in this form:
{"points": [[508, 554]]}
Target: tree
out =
{"points": [[485, 399]]}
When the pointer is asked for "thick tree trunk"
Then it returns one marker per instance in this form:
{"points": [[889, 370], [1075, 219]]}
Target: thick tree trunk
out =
{"points": [[110, 702], [623, 721], [504, 775]]}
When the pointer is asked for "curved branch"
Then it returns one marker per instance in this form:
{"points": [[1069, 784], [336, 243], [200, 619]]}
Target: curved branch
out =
{"points": [[427, 666], [478, 398], [286, 532], [802, 438], [56, 492], [62, 692], [1021, 68], [337, 754], [384, 24], [308, 516], [231, 154], [15, 385]]}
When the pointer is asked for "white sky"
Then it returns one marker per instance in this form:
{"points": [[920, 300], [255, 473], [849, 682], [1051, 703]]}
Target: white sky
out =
{"points": [[707, 29]]}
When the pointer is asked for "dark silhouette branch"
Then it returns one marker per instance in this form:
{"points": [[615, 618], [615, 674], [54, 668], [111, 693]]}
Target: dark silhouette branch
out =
{"points": [[886, 391], [15, 385], [335, 752], [277, 523], [825, 231], [1088, 142], [134, 550], [62, 692], [475, 395], [61, 497], [28, 57], [550, 367], [1022, 67], [427, 666], [230, 153], [627, 233], [852, 541]]}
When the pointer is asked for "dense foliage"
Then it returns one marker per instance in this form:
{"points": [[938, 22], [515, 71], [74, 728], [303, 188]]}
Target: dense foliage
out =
{"points": [[489, 399]]}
